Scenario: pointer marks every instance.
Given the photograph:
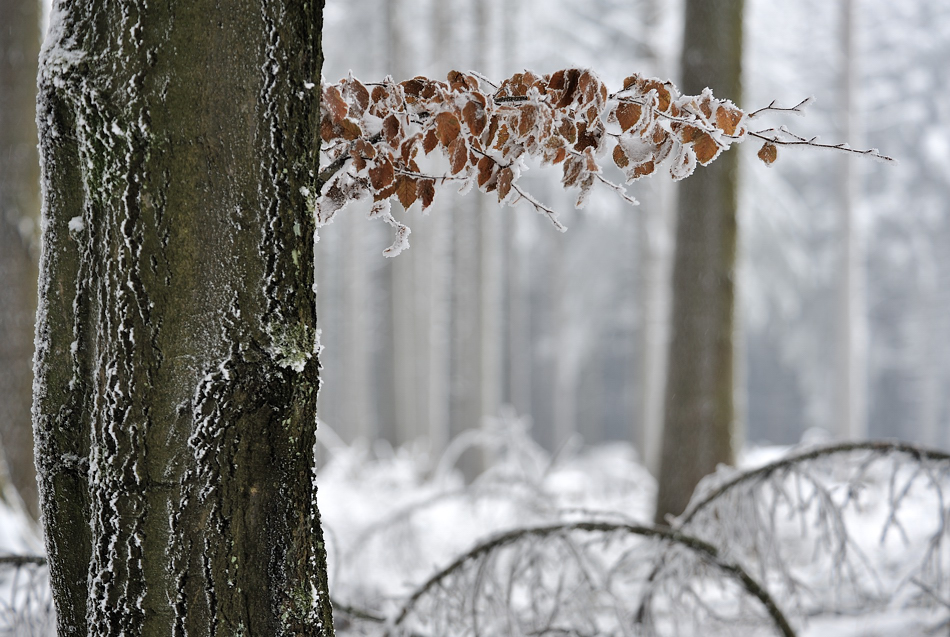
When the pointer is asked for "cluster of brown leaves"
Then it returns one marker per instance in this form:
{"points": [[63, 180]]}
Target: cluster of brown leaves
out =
{"points": [[379, 140]]}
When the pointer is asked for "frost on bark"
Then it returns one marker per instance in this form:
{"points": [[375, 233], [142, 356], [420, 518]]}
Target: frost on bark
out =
{"points": [[19, 211], [699, 411], [176, 367]]}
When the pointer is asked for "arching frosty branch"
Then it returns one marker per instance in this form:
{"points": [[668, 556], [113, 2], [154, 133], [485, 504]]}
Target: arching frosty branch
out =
{"points": [[401, 140], [830, 526], [478, 557], [876, 447]]}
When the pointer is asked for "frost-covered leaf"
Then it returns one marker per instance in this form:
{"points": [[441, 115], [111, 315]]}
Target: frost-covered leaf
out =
{"points": [[382, 174], [406, 190], [505, 178], [334, 103], [768, 153], [447, 127], [485, 133], [628, 115], [728, 118], [425, 190]]}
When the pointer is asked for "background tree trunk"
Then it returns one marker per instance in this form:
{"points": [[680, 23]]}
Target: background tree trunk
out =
{"points": [[699, 411], [19, 229], [175, 406], [851, 321]]}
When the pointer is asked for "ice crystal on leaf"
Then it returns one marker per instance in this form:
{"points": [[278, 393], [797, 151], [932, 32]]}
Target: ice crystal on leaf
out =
{"points": [[401, 140]]}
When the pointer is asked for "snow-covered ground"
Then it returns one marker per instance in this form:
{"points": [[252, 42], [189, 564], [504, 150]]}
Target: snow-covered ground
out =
{"points": [[853, 543], [845, 544]]}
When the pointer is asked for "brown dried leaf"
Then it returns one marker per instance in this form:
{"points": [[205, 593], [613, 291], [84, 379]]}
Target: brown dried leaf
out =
{"points": [[631, 81], [335, 104], [620, 157], [365, 149], [351, 130], [414, 86], [505, 177], [567, 87], [406, 190], [382, 174], [358, 162], [573, 168], [432, 91], [587, 137], [392, 130], [378, 104], [357, 96], [326, 129], [527, 119], [568, 130], [474, 115], [487, 169], [663, 149], [385, 193], [459, 81], [447, 127], [458, 155], [430, 142], [410, 148], [727, 119], [489, 135], [644, 169], [768, 153], [662, 92], [502, 137], [706, 149], [628, 115], [425, 190]]}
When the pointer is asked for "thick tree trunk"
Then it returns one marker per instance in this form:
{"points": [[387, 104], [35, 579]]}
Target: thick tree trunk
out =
{"points": [[19, 217], [175, 400], [699, 410]]}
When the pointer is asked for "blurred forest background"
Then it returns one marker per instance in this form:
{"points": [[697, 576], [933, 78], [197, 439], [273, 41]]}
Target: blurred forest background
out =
{"points": [[571, 330], [492, 313]]}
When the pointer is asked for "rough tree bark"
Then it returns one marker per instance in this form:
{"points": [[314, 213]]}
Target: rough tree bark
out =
{"points": [[699, 410], [19, 215], [175, 400]]}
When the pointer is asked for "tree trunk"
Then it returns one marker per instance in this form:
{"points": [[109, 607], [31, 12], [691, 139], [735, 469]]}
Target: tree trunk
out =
{"points": [[698, 424], [851, 320], [175, 401], [19, 216]]}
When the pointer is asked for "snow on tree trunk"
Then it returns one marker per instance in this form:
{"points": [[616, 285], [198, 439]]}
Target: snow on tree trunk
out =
{"points": [[699, 412], [176, 367], [19, 212]]}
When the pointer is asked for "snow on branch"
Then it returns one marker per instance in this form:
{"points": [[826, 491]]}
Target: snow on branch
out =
{"points": [[401, 140], [838, 529], [491, 591]]}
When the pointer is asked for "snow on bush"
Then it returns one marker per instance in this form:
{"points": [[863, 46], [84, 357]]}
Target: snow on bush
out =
{"points": [[816, 541]]}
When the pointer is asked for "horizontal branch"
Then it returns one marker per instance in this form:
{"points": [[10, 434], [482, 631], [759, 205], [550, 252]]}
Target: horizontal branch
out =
{"points": [[813, 143], [22, 560]]}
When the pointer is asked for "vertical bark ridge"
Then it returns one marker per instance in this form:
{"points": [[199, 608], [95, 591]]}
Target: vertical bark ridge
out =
{"points": [[177, 370]]}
